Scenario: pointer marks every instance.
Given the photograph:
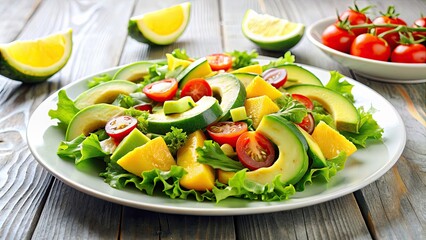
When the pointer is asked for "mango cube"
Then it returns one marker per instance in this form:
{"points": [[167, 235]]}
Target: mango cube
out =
{"points": [[257, 107], [258, 87]]}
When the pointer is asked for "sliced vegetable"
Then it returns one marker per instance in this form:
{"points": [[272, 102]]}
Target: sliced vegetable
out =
{"points": [[275, 76], [162, 90], [196, 89], [220, 61], [120, 126], [227, 132], [255, 151]]}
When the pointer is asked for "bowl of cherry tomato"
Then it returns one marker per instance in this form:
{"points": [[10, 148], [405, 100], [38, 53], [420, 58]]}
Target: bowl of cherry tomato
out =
{"points": [[369, 50]]}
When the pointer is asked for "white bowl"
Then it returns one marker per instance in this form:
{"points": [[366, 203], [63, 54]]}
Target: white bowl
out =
{"points": [[372, 69]]}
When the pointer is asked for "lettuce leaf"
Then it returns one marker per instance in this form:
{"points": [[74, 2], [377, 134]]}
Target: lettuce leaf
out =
{"points": [[82, 149], [287, 58], [243, 58], [211, 154], [65, 111], [368, 129], [342, 87]]}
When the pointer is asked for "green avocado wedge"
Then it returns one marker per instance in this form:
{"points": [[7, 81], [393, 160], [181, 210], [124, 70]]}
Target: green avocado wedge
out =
{"points": [[135, 72], [299, 75], [292, 162], [105, 92], [200, 68], [314, 151], [344, 113], [206, 112], [229, 90], [91, 118], [135, 139]]}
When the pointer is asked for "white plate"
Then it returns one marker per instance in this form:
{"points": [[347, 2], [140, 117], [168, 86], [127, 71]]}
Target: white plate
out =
{"points": [[372, 69], [362, 168]]}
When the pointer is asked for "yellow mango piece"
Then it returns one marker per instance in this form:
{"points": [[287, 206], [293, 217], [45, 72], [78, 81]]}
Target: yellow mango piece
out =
{"points": [[256, 68], [173, 62], [331, 142], [224, 176], [151, 155], [199, 176], [257, 107], [258, 87]]}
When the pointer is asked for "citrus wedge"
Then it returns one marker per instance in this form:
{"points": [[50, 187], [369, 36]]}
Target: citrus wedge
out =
{"points": [[160, 27], [33, 61], [271, 33]]}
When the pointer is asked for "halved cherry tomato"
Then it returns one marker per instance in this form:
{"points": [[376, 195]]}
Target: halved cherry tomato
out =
{"points": [[409, 53], [304, 100], [308, 123], [275, 76], [144, 107], [196, 88], [227, 132], [162, 90], [219, 61], [370, 46], [338, 38], [121, 126], [255, 151]]}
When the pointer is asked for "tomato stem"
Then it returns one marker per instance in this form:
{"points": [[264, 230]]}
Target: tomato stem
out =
{"points": [[389, 25]]}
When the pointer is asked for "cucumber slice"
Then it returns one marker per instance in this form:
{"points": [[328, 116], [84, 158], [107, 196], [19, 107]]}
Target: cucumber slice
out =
{"points": [[203, 114]]}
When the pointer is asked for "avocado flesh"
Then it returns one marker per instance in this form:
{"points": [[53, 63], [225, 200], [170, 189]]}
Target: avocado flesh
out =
{"points": [[178, 106], [292, 162], [314, 151], [104, 93], [197, 69], [133, 72], [135, 139], [203, 114], [344, 113], [299, 75], [91, 118], [230, 90]]}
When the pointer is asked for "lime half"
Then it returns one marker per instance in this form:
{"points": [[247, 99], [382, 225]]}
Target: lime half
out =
{"points": [[271, 33], [36, 60], [160, 27]]}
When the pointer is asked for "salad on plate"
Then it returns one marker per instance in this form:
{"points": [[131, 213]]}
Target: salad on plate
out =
{"points": [[210, 128]]}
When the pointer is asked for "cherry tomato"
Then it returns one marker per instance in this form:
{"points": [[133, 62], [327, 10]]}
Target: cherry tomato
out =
{"points": [[219, 61], [162, 90], [119, 127], [356, 17], [338, 38], [304, 100], [421, 22], [255, 151], [196, 88], [369, 46], [308, 123], [389, 18], [144, 107], [275, 76], [409, 53], [227, 132]]}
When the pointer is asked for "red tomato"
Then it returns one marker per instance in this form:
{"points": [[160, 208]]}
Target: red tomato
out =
{"points": [[227, 132], [389, 18], [255, 151], [162, 90], [144, 107], [338, 38], [196, 88], [421, 22], [410, 53], [369, 46], [308, 123], [275, 76], [219, 61], [304, 100], [119, 127], [356, 17]]}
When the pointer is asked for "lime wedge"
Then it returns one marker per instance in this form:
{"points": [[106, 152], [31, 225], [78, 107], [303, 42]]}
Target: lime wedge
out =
{"points": [[271, 33], [160, 27], [33, 61]]}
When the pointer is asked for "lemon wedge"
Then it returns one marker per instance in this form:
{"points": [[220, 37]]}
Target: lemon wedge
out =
{"points": [[271, 33], [33, 61], [160, 27]]}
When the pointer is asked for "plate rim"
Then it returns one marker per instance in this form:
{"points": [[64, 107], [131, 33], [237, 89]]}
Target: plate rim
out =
{"points": [[216, 210]]}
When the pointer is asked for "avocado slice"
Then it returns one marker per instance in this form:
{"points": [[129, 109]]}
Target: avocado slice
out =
{"points": [[245, 78], [135, 139], [314, 151], [229, 90], [134, 71], [178, 106], [197, 69], [203, 114], [299, 75], [91, 118], [344, 113], [104, 93], [292, 162]]}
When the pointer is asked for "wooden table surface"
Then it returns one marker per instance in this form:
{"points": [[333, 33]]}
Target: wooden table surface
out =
{"points": [[34, 204]]}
